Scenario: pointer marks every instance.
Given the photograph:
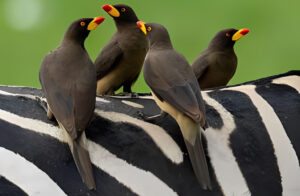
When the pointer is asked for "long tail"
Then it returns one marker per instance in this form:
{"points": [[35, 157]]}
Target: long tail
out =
{"points": [[81, 157], [192, 137], [83, 162]]}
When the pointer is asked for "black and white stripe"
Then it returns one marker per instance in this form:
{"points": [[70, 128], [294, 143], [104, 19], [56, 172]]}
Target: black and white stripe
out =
{"points": [[253, 144]]}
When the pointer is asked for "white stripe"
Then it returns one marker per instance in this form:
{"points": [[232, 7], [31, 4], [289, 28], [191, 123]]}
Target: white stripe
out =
{"points": [[33, 125], [102, 100], [26, 175], [141, 182], [286, 156], [293, 81], [17, 86], [160, 137], [17, 95], [227, 170], [132, 104]]}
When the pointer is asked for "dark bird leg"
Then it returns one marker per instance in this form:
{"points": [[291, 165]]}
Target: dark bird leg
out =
{"points": [[153, 118], [127, 91]]}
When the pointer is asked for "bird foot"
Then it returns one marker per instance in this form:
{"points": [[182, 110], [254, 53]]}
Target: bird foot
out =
{"points": [[43, 104]]}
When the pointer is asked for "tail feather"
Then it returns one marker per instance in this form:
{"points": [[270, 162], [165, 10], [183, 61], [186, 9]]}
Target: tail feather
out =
{"points": [[198, 160], [83, 162], [81, 157]]}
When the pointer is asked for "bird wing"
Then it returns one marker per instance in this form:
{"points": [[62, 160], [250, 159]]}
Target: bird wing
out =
{"points": [[66, 96], [177, 86], [200, 65], [110, 55]]}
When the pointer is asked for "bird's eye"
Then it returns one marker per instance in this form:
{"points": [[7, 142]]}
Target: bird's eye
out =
{"points": [[82, 24], [227, 34], [123, 9], [149, 29]]}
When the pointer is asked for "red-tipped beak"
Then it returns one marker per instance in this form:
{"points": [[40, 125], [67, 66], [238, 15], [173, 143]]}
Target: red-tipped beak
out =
{"points": [[141, 25], [106, 8], [244, 31], [239, 34], [99, 20], [111, 10], [94, 23]]}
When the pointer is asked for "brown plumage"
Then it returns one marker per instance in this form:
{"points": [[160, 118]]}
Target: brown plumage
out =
{"points": [[216, 65], [68, 79], [176, 91], [121, 60]]}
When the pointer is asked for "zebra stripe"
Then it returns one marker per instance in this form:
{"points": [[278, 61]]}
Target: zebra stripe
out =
{"points": [[285, 101], [293, 81], [222, 159], [18, 170], [251, 144], [160, 137], [284, 151], [163, 140], [142, 182], [8, 188], [132, 104]]}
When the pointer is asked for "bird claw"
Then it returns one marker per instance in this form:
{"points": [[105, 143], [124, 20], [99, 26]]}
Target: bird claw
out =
{"points": [[42, 103]]}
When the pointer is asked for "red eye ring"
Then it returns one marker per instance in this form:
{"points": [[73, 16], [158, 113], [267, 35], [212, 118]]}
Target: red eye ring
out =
{"points": [[149, 29], [82, 24], [227, 34], [123, 9]]}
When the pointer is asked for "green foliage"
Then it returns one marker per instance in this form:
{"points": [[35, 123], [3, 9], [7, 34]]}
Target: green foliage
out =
{"points": [[30, 30]]}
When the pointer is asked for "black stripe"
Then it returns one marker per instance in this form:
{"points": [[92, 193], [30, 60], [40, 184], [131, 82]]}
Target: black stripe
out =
{"points": [[132, 144], [24, 107], [8, 188], [285, 101], [251, 144], [213, 117], [54, 158]]}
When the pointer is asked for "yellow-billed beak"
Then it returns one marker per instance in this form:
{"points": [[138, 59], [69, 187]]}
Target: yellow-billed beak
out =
{"points": [[238, 35], [94, 23], [111, 10], [141, 25]]}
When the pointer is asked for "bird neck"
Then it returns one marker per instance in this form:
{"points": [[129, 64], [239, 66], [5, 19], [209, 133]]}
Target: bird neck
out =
{"points": [[161, 45], [123, 26], [220, 47], [67, 41]]}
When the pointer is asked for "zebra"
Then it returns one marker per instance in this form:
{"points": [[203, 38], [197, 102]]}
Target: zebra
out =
{"points": [[252, 144]]}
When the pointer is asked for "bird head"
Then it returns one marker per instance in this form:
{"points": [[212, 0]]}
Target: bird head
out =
{"points": [[228, 37], [157, 34], [121, 13], [81, 28]]}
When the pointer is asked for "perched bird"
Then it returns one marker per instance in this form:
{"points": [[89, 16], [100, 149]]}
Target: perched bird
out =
{"points": [[121, 60], [68, 79], [176, 91], [216, 65]]}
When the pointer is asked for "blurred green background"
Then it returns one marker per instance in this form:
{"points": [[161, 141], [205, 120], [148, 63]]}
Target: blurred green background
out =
{"points": [[31, 28]]}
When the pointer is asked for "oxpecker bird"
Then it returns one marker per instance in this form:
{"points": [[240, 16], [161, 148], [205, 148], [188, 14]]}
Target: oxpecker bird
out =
{"points": [[176, 91], [216, 65], [68, 79], [121, 60]]}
